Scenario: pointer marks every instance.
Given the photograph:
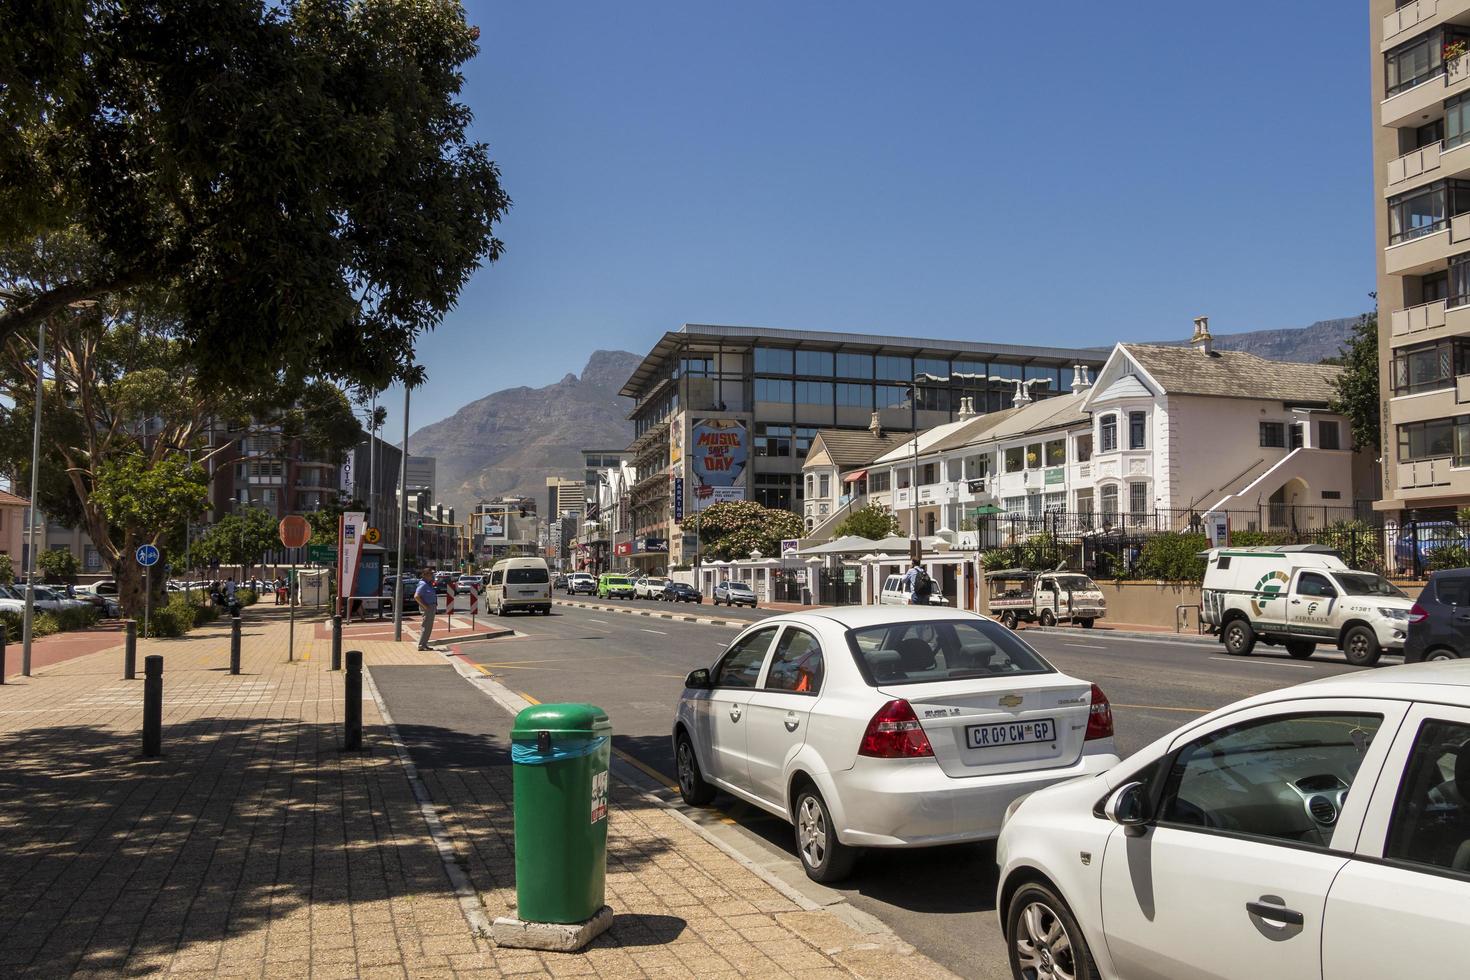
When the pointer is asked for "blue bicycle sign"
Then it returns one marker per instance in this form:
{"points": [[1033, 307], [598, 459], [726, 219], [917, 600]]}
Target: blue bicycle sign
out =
{"points": [[147, 555]]}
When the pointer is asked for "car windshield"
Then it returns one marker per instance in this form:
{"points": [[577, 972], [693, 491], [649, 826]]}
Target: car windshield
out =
{"points": [[525, 576], [738, 587], [616, 580], [928, 651], [1367, 584], [1075, 583]]}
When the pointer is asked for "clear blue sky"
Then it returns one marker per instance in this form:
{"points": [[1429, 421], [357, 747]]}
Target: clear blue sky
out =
{"points": [[1069, 173]]}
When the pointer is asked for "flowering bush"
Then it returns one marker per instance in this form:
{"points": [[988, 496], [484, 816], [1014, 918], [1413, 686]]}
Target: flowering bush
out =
{"points": [[1453, 50], [735, 529]]}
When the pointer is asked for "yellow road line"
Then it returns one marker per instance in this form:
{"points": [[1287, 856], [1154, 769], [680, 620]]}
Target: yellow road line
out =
{"points": [[525, 695], [645, 769]]}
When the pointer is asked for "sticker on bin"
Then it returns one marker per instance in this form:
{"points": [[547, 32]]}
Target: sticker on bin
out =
{"points": [[599, 796]]}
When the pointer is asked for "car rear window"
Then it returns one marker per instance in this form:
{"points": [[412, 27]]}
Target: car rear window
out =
{"points": [[1453, 590], [525, 576], [928, 651]]}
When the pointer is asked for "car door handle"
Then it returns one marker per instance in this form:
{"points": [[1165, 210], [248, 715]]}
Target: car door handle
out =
{"points": [[792, 721], [734, 712], [1275, 913], [1296, 602]]}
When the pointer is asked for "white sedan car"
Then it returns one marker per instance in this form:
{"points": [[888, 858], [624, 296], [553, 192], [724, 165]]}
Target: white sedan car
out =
{"points": [[1321, 830], [884, 727], [649, 587]]}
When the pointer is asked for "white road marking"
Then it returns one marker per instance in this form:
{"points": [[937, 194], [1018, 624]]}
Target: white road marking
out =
{"points": [[1084, 646], [1268, 663], [602, 621], [659, 632]]}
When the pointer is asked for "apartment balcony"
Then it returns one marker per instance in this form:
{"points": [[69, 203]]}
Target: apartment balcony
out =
{"points": [[1410, 106], [1424, 473], [1429, 248], [1399, 25], [1404, 172], [266, 481]]}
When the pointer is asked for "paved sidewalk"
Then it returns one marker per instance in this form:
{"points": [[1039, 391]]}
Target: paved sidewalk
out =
{"points": [[255, 848], [53, 649]]}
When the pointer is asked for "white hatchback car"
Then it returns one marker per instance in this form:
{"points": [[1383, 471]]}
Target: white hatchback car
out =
{"points": [[884, 727], [1321, 830]]}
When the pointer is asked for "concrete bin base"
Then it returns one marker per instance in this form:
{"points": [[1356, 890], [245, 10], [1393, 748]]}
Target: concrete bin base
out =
{"points": [[554, 937]]}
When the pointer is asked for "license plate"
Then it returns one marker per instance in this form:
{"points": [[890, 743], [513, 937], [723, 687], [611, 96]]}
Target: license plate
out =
{"points": [[1011, 733]]}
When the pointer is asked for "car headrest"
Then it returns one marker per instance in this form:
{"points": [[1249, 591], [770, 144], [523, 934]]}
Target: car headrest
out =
{"points": [[886, 665], [916, 654], [1462, 771]]}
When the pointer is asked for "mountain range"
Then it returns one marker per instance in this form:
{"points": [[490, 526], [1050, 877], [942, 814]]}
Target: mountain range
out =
{"points": [[509, 441]]}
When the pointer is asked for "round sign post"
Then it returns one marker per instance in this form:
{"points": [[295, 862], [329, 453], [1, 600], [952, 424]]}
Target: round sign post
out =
{"points": [[147, 556], [295, 532]]}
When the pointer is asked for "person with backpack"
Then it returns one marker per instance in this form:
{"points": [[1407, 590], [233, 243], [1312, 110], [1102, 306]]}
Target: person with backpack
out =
{"points": [[920, 585]]}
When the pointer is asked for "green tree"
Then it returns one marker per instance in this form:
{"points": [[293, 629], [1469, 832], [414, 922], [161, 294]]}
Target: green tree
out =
{"points": [[294, 179], [58, 566], [239, 538], [7, 570], [733, 530], [873, 521], [1357, 394]]}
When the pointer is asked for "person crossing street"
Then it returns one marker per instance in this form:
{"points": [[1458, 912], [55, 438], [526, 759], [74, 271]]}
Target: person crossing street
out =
{"points": [[428, 601]]}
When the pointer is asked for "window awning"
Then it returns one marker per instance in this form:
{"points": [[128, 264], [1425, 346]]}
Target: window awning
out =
{"points": [[854, 476]]}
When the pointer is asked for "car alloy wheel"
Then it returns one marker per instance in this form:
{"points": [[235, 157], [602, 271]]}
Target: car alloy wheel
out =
{"points": [[1441, 655], [692, 786], [1044, 947], [811, 832]]}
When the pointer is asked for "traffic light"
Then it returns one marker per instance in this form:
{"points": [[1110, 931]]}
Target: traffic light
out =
{"points": [[421, 523]]}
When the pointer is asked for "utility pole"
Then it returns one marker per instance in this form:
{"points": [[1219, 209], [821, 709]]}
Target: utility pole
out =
{"points": [[30, 610], [402, 519]]}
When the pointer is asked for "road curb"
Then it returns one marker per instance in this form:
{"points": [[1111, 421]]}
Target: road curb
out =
{"points": [[443, 643], [649, 612], [1130, 634]]}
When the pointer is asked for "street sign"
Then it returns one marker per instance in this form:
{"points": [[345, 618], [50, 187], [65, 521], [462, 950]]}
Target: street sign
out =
{"points": [[147, 555], [678, 500], [325, 553], [294, 531], [372, 535]]}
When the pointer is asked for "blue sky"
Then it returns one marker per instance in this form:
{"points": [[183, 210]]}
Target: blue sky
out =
{"points": [[1068, 173]]}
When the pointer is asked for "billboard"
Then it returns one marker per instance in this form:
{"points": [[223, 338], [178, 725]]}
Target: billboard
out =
{"points": [[676, 442], [719, 450], [351, 527], [494, 525]]}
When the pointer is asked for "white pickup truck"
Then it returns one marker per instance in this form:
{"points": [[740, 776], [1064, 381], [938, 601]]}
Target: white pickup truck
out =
{"points": [[1021, 596]]}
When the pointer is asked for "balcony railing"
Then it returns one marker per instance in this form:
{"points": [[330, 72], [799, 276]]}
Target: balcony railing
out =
{"points": [[1414, 163], [1408, 16], [1426, 316], [1424, 473]]}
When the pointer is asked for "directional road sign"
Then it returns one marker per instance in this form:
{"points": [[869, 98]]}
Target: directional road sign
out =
{"points": [[146, 554]]}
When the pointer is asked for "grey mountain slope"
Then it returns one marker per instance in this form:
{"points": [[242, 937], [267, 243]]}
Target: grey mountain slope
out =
{"points": [[509, 441], [1309, 344]]}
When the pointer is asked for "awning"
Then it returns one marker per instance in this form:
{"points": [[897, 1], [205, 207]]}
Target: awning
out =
{"points": [[854, 476]]}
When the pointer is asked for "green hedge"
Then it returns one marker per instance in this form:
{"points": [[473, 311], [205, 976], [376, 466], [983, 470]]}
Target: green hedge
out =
{"points": [[1173, 557], [180, 615], [46, 623]]}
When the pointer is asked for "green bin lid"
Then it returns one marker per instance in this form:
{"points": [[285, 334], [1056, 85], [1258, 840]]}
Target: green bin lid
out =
{"points": [[561, 719]]}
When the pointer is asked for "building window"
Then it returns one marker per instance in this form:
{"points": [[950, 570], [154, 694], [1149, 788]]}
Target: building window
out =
{"points": [[1084, 448], [1426, 210], [1137, 430], [803, 444], [1435, 439], [931, 368], [1084, 503], [814, 393], [772, 440], [855, 366], [933, 399], [1107, 433], [1331, 494], [1430, 367], [772, 390], [1015, 506], [1015, 459], [888, 396], [809, 485], [1138, 499], [1328, 435], [1413, 63], [1295, 436], [854, 396], [877, 481], [928, 475], [91, 559], [1056, 452], [1273, 435], [1455, 286], [817, 362], [824, 484], [894, 368], [774, 490], [772, 360], [1109, 497], [1033, 455]]}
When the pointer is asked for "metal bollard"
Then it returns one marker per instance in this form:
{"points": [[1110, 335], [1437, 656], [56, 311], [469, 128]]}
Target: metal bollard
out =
{"points": [[130, 650], [234, 644], [352, 736], [336, 642], [152, 705]]}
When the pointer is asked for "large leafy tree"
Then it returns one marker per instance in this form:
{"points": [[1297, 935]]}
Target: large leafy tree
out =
{"points": [[1357, 396], [293, 178], [239, 538], [873, 521], [735, 529]]}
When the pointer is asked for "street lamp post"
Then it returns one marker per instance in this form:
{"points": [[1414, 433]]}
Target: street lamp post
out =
{"points": [[402, 520], [30, 610]]}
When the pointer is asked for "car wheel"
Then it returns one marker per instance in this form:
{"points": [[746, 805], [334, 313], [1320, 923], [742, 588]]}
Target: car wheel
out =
{"points": [[1300, 649], [1008, 620], [1240, 639], [1048, 618], [1086, 623], [692, 787], [1441, 654], [823, 856], [1361, 647], [1045, 940]]}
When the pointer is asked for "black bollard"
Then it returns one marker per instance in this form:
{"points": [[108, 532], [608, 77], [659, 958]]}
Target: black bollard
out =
{"points": [[152, 705], [130, 650], [336, 642], [234, 644], [352, 736]]}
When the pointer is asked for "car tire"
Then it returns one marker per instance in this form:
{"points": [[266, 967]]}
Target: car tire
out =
{"points": [[1041, 930], [692, 787], [1047, 618], [1239, 638], [1361, 648], [1300, 649], [1440, 655], [1009, 620], [1086, 623], [824, 858]]}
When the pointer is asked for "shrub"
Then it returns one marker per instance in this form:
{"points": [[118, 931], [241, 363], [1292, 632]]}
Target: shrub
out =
{"points": [[997, 558], [46, 623], [1173, 557], [180, 615], [1253, 539], [1447, 556], [246, 597], [7, 570]]}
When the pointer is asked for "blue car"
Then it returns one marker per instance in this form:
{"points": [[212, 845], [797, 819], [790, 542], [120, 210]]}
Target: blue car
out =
{"points": [[1430, 535]]}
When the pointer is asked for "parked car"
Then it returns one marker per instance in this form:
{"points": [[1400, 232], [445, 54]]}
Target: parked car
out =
{"points": [[733, 594], [519, 583], [410, 584], [682, 592], [1048, 598], [649, 587], [560, 582], [47, 599], [884, 727], [611, 585], [581, 583], [1439, 620], [441, 583], [1298, 596], [897, 592], [471, 583], [1315, 831], [1425, 537]]}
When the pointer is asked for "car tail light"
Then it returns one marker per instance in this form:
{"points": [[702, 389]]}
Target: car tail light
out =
{"points": [[1099, 716], [895, 733], [1417, 613]]}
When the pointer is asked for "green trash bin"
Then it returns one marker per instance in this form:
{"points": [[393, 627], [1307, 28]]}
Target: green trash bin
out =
{"points": [[560, 754]]}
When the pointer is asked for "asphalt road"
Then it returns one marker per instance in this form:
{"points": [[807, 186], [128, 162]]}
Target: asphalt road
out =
{"points": [[940, 899]]}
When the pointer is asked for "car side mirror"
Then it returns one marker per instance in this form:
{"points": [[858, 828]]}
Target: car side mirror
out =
{"points": [[698, 680], [1128, 806]]}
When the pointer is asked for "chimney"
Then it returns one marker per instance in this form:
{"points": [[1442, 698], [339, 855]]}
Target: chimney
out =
{"points": [[1080, 380], [1022, 396], [875, 426], [967, 408], [1202, 340]]}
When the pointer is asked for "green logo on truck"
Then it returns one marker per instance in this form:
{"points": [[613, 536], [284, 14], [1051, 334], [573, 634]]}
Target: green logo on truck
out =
{"points": [[1271, 585]]}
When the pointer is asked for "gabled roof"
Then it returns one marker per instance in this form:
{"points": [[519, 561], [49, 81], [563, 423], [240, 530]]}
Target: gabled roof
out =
{"points": [[972, 430], [12, 500], [1233, 374], [1128, 386], [926, 440], [1048, 413], [854, 447]]}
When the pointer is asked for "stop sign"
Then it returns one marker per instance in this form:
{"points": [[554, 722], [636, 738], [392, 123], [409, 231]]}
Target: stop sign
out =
{"points": [[295, 532]]}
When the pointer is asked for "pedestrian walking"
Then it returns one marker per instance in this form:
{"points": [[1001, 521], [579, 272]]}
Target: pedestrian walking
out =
{"points": [[280, 592], [919, 585], [428, 602]]}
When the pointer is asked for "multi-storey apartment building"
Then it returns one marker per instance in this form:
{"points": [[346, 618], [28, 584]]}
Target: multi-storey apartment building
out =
{"points": [[1421, 193], [729, 413]]}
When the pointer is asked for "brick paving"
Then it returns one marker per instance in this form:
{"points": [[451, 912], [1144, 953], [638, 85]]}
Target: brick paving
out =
{"points": [[255, 848]]}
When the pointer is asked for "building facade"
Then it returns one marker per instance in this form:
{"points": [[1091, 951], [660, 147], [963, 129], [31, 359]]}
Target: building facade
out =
{"points": [[1421, 195], [421, 476], [729, 413]]}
